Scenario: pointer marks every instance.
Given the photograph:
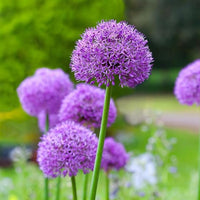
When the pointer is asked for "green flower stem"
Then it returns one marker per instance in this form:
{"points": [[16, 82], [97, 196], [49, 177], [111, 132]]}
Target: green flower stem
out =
{"points": [[107, 186], [58, 188], [198, 197], [85, 184], [74, 187], [46, 180], [46, 188], [46, 123], [102, 136]]}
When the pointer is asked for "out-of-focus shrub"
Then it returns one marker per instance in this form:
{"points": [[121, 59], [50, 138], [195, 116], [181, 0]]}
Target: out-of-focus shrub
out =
{"points": [[39, 33]]}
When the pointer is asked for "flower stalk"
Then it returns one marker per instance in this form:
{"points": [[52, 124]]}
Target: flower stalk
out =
{"points": [[198, 197], [46, 186], [102, 136], [58, 188], [85, 186], [107, 186], [74, 187], [46, 180]]}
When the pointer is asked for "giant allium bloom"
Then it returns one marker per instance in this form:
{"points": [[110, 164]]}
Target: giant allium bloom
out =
{"points": [[67, 148], [85, 106], [44, 91], [112, 50], [114, 155], [187, 85], [53, 121]]}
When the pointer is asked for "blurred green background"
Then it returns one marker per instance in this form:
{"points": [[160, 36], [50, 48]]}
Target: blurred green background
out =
{"points": [[39, 33]]}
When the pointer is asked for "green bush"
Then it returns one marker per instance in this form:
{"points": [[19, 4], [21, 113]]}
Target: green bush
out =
{"points": [[38, 33]]}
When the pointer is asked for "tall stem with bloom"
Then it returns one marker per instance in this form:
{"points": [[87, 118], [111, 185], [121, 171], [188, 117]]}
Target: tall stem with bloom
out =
{"points": [[74, 187], [46, 180], [102, 136]]}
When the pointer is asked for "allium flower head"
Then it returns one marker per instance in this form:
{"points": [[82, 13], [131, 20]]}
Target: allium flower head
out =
{"points": [[187, 85], [67, 148], [114, 155], [44, 91], [85, 106], [112, 50], [53, 120]]}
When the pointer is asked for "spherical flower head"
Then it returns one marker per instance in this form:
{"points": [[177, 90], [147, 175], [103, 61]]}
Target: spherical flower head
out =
{"points": [[44, 91], [85, 106], [53, 120], [66, 149], [112, 50], [114, 155], [187, 85]]}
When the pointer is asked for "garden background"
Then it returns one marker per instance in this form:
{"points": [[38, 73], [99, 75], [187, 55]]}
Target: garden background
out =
{"points": [[40, 33]]}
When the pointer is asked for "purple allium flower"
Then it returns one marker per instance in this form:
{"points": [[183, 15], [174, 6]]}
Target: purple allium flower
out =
{"points": [[85, 106], [187, 85], [53, 120], [114, 155], [44, 91], [67, 148], [112, 50]]}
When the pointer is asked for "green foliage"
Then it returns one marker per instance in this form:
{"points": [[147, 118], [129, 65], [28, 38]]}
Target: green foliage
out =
{"points": [[16, 127], [40, 33]]}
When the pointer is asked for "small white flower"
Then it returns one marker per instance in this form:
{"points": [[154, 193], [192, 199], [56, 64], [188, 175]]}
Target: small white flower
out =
{"points": [[143, 169], [20, 154], [6, 185]]}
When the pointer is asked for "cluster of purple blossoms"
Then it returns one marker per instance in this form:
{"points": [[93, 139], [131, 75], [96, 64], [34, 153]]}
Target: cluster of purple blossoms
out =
{"points": [[112, 50], [44, 91], [187, 85], [114, 155], [85, 106], [66, 149]]}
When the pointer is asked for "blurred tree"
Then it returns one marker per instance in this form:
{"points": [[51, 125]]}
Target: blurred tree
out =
{"points": [[172, 28], [39, 33]]}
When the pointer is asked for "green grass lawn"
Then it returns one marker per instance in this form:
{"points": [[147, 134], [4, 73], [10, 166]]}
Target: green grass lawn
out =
{"points": [[162, 102]]}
